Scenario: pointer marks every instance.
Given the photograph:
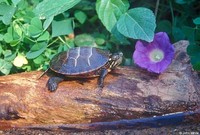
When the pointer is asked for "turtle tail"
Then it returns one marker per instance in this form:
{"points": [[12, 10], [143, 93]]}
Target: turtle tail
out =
{"points": [[42, 74]]}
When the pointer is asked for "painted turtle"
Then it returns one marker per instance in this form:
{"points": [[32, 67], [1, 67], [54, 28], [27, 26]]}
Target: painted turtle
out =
{"points": [[82, 62]]}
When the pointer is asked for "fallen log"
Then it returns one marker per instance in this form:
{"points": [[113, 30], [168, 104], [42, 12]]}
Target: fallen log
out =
{"points": [[129, 93]]}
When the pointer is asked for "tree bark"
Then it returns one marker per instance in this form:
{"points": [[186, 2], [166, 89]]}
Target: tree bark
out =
{"points": [[129, 93]]}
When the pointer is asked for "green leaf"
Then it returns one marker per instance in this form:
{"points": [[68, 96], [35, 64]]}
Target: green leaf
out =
{"points": [[184, 1], [180, 1], [118, 37], [8, 55], [80, 16], [197, 34], [109, 11], [39, 60], [138, 23], [36, 50], [100, 41], [194, 51], [8, 38], [11, 36], [189, 33], [49, 8], [17, 29], [197, 21], [47, 22], [6, 13], [1, 50], [84, 40], [63, 27], [5, 66], [1, 37], [44, 36], [164, 26], [15, 2], [177, 33], [35, 29], [62, 48]]}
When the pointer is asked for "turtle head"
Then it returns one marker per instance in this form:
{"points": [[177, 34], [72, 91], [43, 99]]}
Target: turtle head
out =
{"points": [[115, 59]]}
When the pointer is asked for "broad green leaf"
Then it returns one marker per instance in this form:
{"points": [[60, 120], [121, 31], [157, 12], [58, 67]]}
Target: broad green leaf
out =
{"points": [[80, 16], [5, 66], [49, 8], [63, 27], [138, 23], [197, 21], [36, 50], [6, 13], [47, 22], [109, 11], [84, 40], [15, 2], [118, 37]]}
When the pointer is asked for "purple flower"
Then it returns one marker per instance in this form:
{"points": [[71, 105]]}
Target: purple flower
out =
{"points": [[155, 56]]}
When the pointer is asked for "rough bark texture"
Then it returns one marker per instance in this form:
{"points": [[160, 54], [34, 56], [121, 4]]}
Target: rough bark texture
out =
{"points": [[129, 93]]}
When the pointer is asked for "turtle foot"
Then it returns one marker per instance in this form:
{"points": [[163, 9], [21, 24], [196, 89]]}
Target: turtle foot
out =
{"points": [[52, 83]]}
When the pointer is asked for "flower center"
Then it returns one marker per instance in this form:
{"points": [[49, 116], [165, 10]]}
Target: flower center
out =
{"points": [[156, 55]]}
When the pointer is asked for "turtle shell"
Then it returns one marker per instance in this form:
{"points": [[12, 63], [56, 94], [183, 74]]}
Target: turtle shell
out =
{"points": [[79, 60]]}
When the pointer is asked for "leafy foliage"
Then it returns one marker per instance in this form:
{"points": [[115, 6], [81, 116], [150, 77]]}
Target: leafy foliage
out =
{"points": [[32, 32]]}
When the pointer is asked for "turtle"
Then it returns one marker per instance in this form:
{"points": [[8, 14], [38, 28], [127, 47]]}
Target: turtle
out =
{"points": [[82, 62]]}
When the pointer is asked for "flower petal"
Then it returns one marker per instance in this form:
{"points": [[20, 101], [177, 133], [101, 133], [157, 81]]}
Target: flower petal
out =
{"points": [[143, 50]]}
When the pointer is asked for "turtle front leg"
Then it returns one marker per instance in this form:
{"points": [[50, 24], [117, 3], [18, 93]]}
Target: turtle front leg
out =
{"points": [[53, 82], [103, 74]]}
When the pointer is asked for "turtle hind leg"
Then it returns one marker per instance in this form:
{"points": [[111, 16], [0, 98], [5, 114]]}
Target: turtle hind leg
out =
{"points": [[103, 74], [53, 82]]}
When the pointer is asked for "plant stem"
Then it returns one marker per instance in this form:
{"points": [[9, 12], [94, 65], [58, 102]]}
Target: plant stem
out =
{"points": [[64, 42], [172, 11], [156, 9], [52, 42]]}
